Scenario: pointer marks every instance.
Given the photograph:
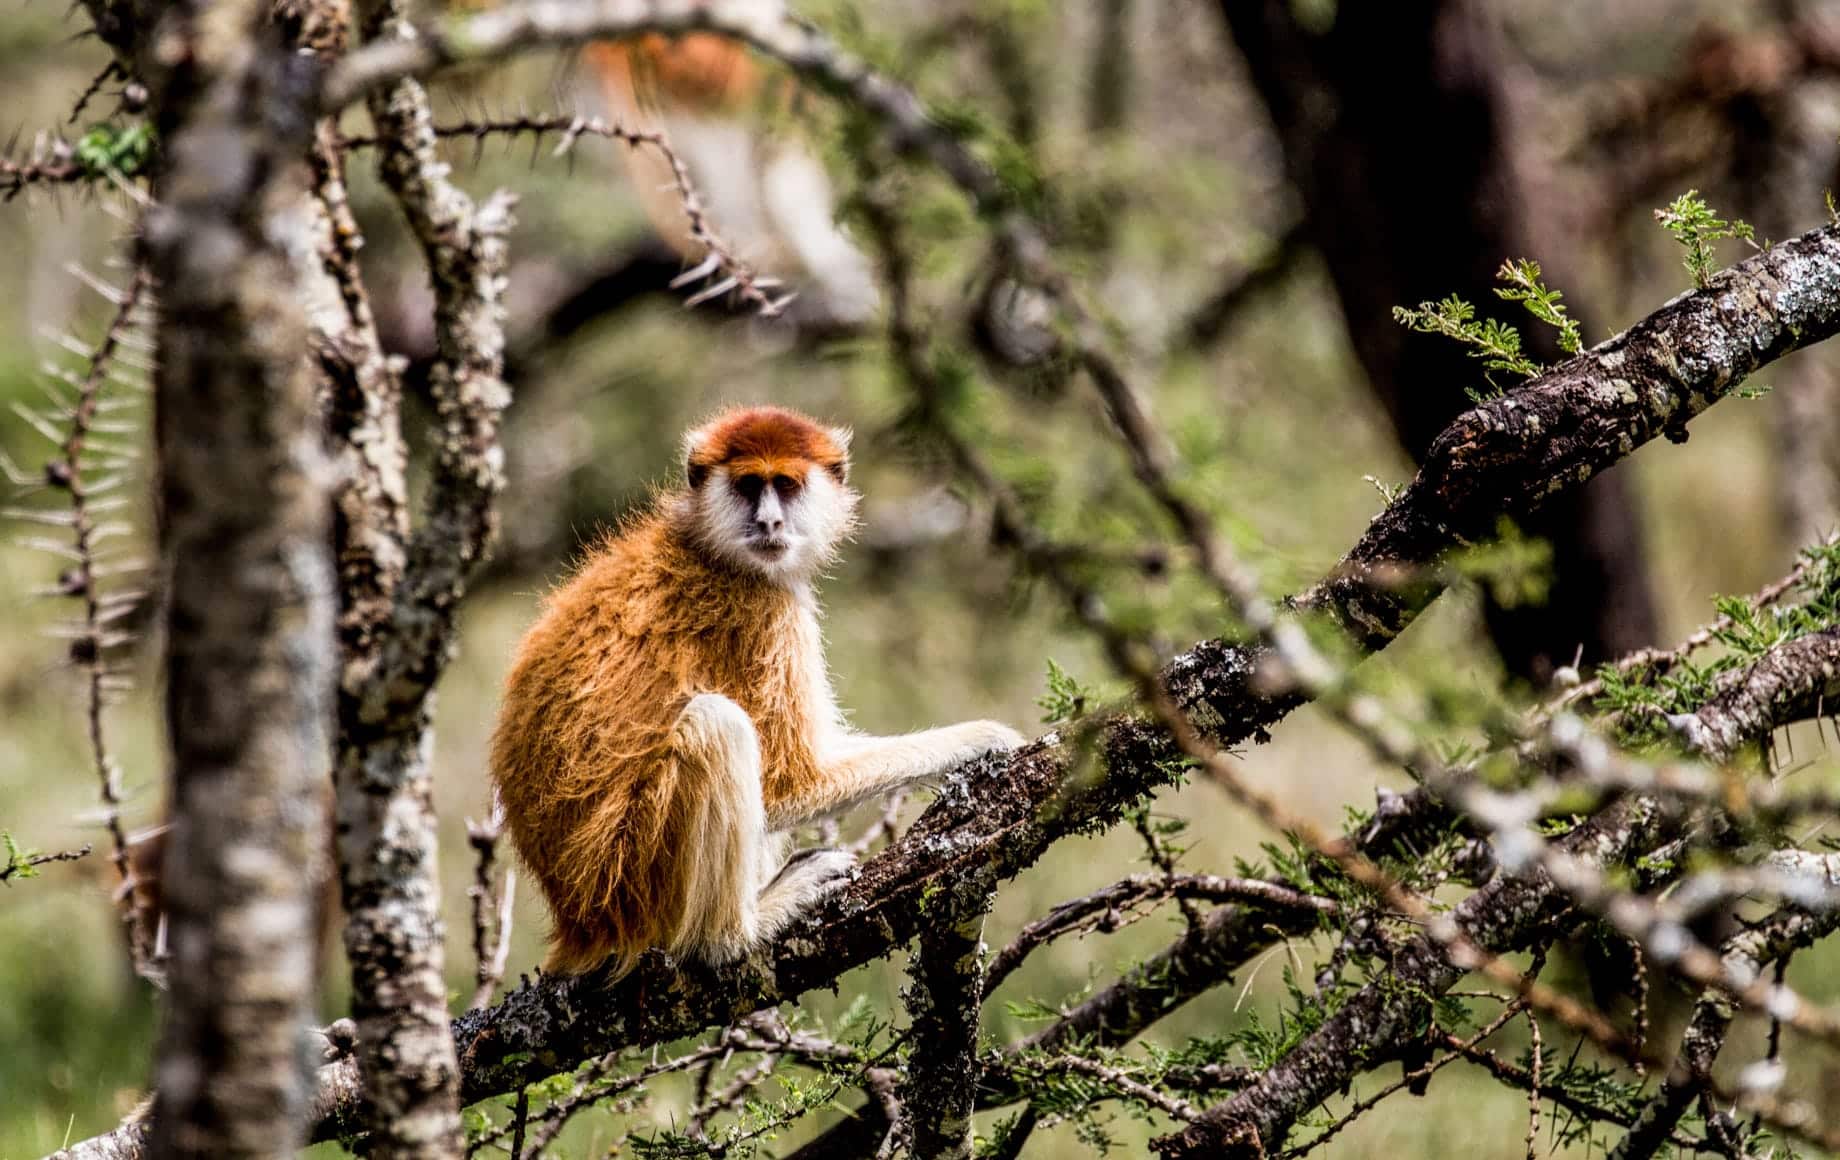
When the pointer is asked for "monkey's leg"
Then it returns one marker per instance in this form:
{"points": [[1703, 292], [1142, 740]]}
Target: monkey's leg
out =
{"points": [[858, 767], [731, 853]]}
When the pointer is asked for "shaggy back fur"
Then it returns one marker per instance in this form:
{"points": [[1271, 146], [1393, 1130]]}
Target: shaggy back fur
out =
{"points": [[606, 813]]}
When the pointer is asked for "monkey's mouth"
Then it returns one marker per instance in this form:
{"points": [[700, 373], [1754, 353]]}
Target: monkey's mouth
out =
{"points": [[771, 549]]}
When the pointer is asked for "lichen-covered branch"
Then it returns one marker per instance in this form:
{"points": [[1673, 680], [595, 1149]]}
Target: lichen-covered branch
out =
{"points": [[249, 622], [402, 589], [1510, 454], [1793, 681], [945, 997]]}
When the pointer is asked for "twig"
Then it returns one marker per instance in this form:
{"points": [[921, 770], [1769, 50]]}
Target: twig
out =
{"points": [[1658, 662], [1533, 1088], [520, 1119], [1113, 1078], [23, 865], [110, 71], [51, 164], [1100, 909], [491, 908], [1417, 1075]]}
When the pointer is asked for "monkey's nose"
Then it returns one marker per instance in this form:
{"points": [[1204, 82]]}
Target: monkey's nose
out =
{"points": [[770, 526]]}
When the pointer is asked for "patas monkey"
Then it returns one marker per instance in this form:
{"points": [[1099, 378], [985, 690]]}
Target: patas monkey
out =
{"points": [[669, 717]]}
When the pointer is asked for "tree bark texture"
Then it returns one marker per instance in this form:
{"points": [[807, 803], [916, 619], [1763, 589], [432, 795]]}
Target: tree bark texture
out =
{"points": [[944, 999], [245, 544], [402, 592]]}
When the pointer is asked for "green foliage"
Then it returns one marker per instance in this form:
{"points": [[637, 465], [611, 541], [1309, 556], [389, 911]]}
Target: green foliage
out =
{"points": [[110, 148], [1085, 1101], [1691, 222], [1065, 700], [1264, 1044], [998, 1143], [476, 1124], [1388, 491], [1523, 285], [1593, 1084], [756, 1124], [1496, 343], [18, 862], [1514, 569], [1159, 832]]}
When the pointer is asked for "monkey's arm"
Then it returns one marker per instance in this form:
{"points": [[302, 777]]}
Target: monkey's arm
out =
{"points": [[856, 767]]}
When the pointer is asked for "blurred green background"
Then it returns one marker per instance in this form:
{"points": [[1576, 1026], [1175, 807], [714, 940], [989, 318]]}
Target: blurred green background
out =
{"points": [[1274, 420]]}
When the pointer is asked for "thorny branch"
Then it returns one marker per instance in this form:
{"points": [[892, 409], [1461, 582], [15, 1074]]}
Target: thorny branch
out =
{"points": [[98, 638], [723, 272], [26, 865]]}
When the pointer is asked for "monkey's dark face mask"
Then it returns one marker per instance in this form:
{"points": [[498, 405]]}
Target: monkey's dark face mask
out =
{"points": [[786, 524]]}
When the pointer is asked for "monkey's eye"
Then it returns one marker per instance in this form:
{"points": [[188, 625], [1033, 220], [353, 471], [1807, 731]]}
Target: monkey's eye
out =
{"points": [[787, 486], [749, 487]]}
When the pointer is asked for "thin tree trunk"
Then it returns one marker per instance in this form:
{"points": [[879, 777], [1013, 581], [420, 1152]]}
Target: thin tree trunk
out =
{"points": [[401, 593], [245, 544]]}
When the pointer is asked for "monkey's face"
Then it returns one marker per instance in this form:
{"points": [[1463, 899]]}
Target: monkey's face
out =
{"points": [[769, 491]]}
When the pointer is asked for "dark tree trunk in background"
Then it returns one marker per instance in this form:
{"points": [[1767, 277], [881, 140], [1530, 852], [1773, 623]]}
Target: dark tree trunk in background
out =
{"points": [[245, 542], [1391, 123], [1786, 151]]}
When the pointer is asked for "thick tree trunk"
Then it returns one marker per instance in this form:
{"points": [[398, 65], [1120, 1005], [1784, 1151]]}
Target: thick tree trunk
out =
{"points": [[1785, 154], [1390, 120], [245, 544]]}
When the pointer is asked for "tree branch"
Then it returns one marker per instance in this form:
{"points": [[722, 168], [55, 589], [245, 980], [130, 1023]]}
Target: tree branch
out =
{"points": [[1791, 682], [1749, 951], [999, 816], [1508, 914], [945, 997]]}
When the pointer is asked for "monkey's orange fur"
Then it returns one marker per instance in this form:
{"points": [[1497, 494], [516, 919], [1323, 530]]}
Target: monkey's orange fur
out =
{"points": [[700, 71], [602, 806]]}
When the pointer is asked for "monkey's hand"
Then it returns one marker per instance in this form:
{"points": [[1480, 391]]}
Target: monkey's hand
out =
{"points": [[992, 737], [824, 867]]}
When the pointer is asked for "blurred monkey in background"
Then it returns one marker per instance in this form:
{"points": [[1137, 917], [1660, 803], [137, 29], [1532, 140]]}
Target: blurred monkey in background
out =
{"points": [[728, 116]]}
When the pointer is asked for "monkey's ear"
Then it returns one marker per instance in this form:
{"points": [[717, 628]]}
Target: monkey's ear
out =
{"points": [[841, 437], [695, 473]]}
